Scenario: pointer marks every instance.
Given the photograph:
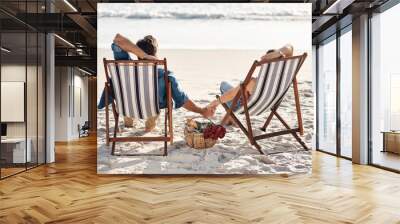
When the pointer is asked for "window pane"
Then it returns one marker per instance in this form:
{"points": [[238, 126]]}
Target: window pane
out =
{"points": [[385, 87], [327, 96], [346, 94]]}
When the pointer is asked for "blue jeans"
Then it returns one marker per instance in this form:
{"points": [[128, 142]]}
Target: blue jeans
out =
{"points": [[225, 87], [178, 95]]}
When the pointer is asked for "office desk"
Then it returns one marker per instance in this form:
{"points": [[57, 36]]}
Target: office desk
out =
{"points": [[13, 150], [391, 141]]}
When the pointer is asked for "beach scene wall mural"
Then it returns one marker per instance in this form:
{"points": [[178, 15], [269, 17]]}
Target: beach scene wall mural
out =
{"points": [[216, 88]]}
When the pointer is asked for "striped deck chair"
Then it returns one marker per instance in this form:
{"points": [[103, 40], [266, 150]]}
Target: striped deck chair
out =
{"points": [[135, 88], [273, 81]]}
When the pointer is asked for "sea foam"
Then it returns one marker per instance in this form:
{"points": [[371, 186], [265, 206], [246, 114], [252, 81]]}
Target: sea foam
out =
{"points": [[206, 11]]}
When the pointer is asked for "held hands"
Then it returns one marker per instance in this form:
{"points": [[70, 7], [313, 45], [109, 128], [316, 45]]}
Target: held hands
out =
{"points": [[208, 111], [214, 103]]}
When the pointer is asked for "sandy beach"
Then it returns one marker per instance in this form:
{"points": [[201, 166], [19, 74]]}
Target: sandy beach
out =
{"points": [[200, 73]]}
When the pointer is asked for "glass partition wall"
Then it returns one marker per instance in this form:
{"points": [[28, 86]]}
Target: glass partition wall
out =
{"points": [[22, 77], [14, 156], [334, 93]]}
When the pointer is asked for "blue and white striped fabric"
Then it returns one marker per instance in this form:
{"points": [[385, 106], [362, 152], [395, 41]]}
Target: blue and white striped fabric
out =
{"points": [[272, 83], [135, 89]]}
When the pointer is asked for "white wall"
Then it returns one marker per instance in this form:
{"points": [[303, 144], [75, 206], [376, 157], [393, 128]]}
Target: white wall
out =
{"points": [[61, 103], [69, 112], [79, 117]]}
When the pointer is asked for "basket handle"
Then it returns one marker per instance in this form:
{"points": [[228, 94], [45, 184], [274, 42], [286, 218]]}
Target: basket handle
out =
{"points": [[190, 119]]}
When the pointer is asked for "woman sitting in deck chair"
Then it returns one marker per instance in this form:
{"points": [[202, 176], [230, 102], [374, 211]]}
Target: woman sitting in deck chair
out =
{"points": [[228, 92], [264, 93]]}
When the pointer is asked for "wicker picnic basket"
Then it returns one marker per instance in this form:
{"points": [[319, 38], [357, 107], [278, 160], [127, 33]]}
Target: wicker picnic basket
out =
{"points": [[196, 139]]}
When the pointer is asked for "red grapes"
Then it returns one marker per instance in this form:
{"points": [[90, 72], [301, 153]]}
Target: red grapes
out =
{"points": [[214, 131]]}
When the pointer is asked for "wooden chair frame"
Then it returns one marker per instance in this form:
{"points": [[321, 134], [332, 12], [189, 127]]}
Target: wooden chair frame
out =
{"points": [[168, 133], [242, 94]]}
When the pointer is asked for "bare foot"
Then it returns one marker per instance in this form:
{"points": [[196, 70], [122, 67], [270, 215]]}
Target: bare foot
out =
{"points": [[129, 122], [151, 123]]}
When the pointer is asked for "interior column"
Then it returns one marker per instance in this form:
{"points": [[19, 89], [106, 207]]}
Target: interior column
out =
{"points": [[360, 90]]}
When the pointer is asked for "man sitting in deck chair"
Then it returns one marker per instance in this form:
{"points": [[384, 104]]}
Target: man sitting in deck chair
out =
{"points": [[278, 69], [146, 48]]}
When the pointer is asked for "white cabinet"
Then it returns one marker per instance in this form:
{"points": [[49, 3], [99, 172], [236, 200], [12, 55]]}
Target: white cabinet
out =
{"points": [[17, 148]]}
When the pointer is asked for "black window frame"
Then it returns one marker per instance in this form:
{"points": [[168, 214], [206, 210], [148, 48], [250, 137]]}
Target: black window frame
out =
{"points": [[333, 37]]}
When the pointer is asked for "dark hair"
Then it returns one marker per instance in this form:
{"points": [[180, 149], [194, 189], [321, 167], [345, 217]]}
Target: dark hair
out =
{"points": [[148, 44]]}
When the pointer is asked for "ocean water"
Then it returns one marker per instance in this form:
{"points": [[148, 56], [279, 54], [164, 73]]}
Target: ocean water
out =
{"points": [[207, 43], [208, 26]]}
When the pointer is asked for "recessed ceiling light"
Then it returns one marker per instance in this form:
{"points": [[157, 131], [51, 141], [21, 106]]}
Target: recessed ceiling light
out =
{"points": [[5, 50], [84, 71], [70, 5], [64, 40], [338, 6]]}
